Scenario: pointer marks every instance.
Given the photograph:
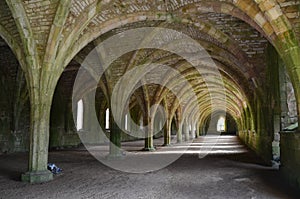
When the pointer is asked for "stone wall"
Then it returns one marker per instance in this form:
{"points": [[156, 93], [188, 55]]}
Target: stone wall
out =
{"points": [[63, 132], [274, 110], [261, 144], [288, 100], [265, 108], [291, 8], [14, 104], [290, 157]]}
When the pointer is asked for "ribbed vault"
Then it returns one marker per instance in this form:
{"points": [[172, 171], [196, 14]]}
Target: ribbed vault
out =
{"points": [[51, 39]]}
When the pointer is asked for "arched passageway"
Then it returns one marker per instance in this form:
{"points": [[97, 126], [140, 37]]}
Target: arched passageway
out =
{"points": [[211, 67]]}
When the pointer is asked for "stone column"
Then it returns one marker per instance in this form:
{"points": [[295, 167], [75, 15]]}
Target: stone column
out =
{"points": [[179, 132], [115, 139], [167, 132], [148, 134], [197, 130], [276, 140], [39, 138], [187, 131]]}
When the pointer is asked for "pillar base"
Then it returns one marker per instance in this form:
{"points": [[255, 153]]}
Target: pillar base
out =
{"points": [[37, 176], [119, 156], [167, 144], [149, 149]]}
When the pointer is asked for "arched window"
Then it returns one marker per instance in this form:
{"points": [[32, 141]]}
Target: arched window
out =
{"points": [[79, 122], [141, 123], [221, 124], [126, 122], [107, 119]]}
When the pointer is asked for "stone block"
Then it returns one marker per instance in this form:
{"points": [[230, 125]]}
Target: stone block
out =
{"points": [[268, 29], [260, 19], [37, 176], [273, 13], [266, 5]]}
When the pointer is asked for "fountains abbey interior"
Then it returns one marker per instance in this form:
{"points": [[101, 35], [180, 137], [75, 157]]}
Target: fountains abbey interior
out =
{"points": [[232, 95]]}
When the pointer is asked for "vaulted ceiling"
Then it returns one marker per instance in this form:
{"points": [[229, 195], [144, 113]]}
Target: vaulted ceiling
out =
{"points": [[49, 37]]}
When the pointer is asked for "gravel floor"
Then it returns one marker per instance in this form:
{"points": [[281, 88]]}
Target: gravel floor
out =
{"points": [[224, 173]]}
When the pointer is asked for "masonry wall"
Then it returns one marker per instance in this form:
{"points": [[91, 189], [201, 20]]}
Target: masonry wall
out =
{"points": [[258, 133], [258, 142], [274, 109], [63, 132], [288, 100], [14, 104], [290, 157]]}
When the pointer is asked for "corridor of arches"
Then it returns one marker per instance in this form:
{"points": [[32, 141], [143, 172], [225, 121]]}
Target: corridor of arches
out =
{"points": [[155, 90]]}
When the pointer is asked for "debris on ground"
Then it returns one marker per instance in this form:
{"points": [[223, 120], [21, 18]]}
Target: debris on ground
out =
{"points": [[53, 168]]}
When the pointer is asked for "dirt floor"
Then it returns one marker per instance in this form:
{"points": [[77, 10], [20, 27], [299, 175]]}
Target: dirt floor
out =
{"points": [[229, 171]]}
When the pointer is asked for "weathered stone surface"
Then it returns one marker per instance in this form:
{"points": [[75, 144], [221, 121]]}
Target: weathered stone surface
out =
{"points": [[46, 36], [37, 177], [14, 104], [289, 146]]}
